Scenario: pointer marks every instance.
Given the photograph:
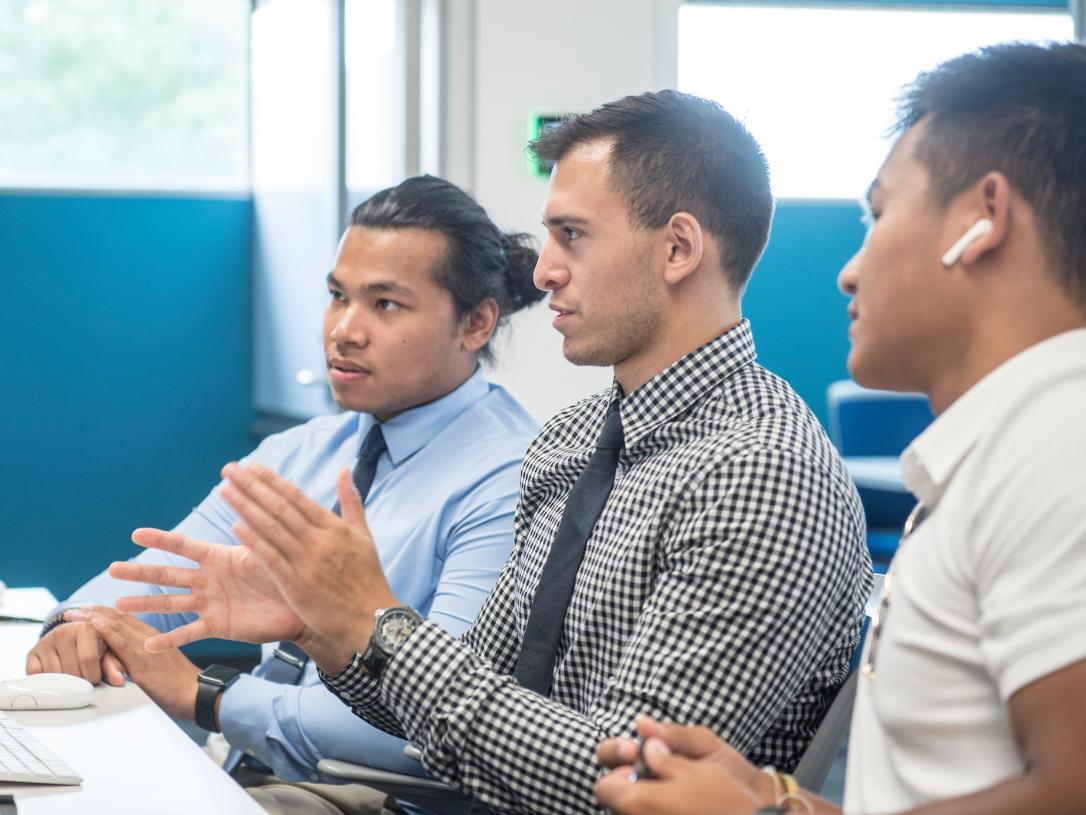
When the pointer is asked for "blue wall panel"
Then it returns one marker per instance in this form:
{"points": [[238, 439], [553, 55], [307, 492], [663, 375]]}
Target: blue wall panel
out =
{"points": [[125, 364], [798, 316]]}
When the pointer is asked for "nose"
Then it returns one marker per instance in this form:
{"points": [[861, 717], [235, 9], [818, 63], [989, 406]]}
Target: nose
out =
{"points": [[348, 327], [550, 273], [848, 276]]}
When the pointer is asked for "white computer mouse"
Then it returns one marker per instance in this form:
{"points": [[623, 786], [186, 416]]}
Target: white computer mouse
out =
{"points": [[45, 692]]}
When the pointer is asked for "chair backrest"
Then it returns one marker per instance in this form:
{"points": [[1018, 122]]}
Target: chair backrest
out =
{"points": [[815, 765], [865, 422]]}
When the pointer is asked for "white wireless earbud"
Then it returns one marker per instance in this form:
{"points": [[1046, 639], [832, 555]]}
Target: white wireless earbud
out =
{"points": [[977, 230]]}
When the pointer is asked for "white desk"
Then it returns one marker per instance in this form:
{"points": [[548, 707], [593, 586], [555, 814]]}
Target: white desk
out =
{"points": [[132, 757]]}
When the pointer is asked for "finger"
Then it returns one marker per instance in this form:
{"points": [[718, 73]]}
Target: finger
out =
{"points": [[618, 793], [66, 649], [690, 741], [309, 509], [613, 752], [173, 542], [157, 575], [88, 651], [663, 763], [350, 502], [84, 613], [113, 670], [182, 635], [278, 566], [33, 664], [113, 638], [255, 492], [265, 524], [48, 657], [157, 604]]}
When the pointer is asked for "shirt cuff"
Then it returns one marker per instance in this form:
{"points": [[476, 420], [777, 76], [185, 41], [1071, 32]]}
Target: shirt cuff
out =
{"points": [[354, 684], [244, 711]]}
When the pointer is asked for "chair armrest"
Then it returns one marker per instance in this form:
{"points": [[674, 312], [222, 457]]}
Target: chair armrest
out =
{"points": [[378, 778], [428, 793]]}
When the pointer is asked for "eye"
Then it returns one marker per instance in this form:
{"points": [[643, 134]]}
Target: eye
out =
{"points": [[870, 216], [570, 234], [384, 304], [335, 294]]}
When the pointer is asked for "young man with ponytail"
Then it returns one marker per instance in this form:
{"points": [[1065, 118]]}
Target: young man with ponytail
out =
{"points": [[421, 281]]}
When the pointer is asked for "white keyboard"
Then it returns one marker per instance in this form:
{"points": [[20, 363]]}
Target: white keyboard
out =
{"points": [[25, 760]]}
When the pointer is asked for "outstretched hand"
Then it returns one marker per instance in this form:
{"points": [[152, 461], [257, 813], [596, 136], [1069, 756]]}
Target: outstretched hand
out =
{"points": [[230, 590], [325, 566]]}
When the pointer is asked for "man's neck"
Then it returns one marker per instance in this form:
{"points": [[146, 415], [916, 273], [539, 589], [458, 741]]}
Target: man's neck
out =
{"points": [[1002, 335], [635, 371]]}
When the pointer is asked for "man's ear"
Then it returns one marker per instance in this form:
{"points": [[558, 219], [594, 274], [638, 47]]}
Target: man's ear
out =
{"points": [[988, 198], [685, 247], [477, 327]]}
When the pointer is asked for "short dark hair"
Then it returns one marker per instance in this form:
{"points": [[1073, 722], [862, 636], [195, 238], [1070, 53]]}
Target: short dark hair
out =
{"points": [[1020, 110], [674, 152], [481, 261]]}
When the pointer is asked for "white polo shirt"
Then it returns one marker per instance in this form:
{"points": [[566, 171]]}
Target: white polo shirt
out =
{"points": [[989, 593]]}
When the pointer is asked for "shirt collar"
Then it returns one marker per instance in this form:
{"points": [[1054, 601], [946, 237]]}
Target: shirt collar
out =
{"points": [[681, 384], [928, 464], [408, 432]]}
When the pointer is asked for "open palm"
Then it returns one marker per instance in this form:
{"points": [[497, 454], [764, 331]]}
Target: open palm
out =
{"points": [[230, 590]]}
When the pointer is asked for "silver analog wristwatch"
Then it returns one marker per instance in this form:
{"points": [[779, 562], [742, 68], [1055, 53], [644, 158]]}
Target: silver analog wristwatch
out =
{"points": [[391, 628]]}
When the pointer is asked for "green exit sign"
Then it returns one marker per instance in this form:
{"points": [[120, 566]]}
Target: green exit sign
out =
{"points": [[537, 123]]}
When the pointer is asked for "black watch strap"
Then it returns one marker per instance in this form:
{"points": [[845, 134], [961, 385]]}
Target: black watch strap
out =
{"points": [[209, 686]]}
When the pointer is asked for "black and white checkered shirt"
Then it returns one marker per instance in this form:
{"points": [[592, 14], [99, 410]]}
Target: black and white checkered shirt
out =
{"points": [[722, 585]]}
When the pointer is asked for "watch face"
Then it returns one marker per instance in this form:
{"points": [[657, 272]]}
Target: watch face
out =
{"points": [[396, 626], [218, 675]]}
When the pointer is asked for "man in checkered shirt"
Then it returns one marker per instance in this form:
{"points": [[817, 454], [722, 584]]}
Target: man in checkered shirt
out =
{"points": [[724, 581]]}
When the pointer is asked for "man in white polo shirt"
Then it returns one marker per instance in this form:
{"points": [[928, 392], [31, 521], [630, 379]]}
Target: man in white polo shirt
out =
{"points": [[971, 287]]}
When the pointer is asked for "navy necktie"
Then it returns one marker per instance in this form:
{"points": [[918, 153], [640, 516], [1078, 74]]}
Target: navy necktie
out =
{"points": [[366, 468], [538, 649]]}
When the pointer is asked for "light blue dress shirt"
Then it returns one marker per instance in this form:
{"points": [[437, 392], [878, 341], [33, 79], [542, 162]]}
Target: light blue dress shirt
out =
{"points": [[441, 513]]}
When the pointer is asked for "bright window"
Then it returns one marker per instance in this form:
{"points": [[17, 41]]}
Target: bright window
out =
{"points": [[374, 91], [816, 85], [130, 94]]}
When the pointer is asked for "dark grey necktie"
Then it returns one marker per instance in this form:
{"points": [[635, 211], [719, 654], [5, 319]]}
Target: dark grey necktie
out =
{"points": [[288, 665], [535, 665]]}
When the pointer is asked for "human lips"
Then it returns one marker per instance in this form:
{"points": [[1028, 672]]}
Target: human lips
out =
{"points": [[853, 316], [564, 314], [345, 371]]}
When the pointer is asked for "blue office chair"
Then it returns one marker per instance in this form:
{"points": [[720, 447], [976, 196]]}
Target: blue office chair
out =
{"points": [[871, 429]]}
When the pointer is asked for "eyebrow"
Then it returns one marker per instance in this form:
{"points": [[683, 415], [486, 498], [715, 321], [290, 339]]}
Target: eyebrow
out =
{"points": [[376, 287], [564, 220]]}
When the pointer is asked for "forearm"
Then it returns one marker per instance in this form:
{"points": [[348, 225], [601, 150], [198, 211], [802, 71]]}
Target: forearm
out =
{"points": [[514, 750], [1031, 793], [291, 728]]}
